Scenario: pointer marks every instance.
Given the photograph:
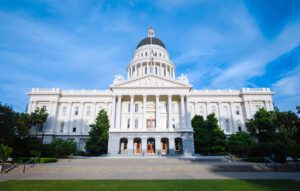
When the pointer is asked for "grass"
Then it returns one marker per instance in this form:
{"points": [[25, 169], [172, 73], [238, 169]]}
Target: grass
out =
{"points": [[151, 185]]}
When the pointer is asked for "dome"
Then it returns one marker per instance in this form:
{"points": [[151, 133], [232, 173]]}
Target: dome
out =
{"points": [[151, 40]]}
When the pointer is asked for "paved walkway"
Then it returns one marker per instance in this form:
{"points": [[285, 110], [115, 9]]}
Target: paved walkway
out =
{"points": [[155, 168]]}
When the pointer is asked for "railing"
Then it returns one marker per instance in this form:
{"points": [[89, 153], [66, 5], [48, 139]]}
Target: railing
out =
{"points": [[30, 162], [268, 160]]}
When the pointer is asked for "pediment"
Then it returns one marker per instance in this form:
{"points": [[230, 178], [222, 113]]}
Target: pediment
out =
{"points": [[151, 81]]}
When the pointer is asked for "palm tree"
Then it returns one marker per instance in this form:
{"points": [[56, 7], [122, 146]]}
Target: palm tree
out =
{"points": [[38, 118]]}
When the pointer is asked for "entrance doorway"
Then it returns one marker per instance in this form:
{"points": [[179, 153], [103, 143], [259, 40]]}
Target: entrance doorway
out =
{"points": [[137, 145], [123, 146], [164, 146], [150, 146]]}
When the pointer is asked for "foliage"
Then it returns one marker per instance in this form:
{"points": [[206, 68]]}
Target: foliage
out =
{"points": [[45, 160], [5, 151], [208, 137], [240, 143], [98, 136], [8, 130], [59, 148], [38, 118]]}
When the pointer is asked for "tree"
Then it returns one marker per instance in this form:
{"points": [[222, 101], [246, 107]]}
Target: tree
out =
{"points": [[38, 118], [240, 143], [98, 136], [208, 137], [5, 151], [59, 148], [263, 125], [8, 130]]}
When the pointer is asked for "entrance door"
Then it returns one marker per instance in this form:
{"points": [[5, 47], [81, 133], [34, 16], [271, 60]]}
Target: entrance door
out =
{"points": [[138, 148], [164, 146], [150, 146]]}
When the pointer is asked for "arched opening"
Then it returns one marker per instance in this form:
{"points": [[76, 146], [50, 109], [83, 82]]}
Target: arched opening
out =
{"points": [[164, 146], [151, 146], [137, 145], [178, 146], [123, 146]]}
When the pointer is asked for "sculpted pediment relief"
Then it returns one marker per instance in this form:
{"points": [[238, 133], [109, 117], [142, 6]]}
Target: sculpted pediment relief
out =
{"points": [[151, 82]]}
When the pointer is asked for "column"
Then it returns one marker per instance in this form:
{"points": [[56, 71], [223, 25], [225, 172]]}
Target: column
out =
{"points": [[182, 111], [118, 116], [69, 117], [206, 108], [160, 69], [53, 115], [171, 145], [157, 145], [144, 125], [131, 111], [113, 110], [169, 111], [231, 115], [156, 111], [81, 118], [130, 146], [219, 112], [188, 113], [144, 146]]}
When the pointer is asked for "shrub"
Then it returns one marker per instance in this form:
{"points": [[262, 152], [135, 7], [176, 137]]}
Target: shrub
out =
{"points": [[59, 148], [45, 160], [240, 143]]}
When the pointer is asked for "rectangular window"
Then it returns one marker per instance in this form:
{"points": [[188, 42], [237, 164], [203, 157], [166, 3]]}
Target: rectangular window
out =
{"points": [[74, 129], [128, 123], [136, 107], [227, 128], [88, 110], [62, 125], [173, 108], [237, 110], [156, 70], [145, 70], [76, 110], [64, 111], [128, 107], [166, 107], [44, 107]]}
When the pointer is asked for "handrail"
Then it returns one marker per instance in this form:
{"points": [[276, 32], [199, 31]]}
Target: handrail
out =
{"points": [[30, 161], [267, 159]]}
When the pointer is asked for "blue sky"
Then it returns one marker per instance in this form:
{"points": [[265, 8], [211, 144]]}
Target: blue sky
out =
{"points": [[81, 44]]}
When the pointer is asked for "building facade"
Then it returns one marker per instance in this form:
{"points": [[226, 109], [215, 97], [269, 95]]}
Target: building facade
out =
{"points": [[150, 112]]}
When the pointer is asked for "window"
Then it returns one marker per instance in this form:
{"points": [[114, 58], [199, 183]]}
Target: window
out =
{"points": [[142, 54], [237, 110], [156, 70], [136, 123], [44, 107], [88, 110], [136, 107], [146, 70], [128, 123], [128, 107], [74, 129], [159, 54], [227, 128], [62, 125], [166, 107], [240, 128], [146, 54], [76, 110], [173, 122], [64, 111]]}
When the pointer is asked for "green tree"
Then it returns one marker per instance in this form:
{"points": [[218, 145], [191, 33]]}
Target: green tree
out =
{"points": [[5, 151], [59, 148], [240, 143], [38, 118], [208, 137], [263, 125], [98, 136], [8, 130]]}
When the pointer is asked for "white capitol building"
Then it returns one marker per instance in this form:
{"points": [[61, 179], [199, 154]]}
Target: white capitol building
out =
{"points": [[150, 112]]}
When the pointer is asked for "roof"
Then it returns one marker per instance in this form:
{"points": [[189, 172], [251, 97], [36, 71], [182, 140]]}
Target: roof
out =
{"points": [[151, 40]]}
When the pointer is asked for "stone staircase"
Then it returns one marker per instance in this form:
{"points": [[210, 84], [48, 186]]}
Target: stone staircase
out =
{"points": [[161, 165]]}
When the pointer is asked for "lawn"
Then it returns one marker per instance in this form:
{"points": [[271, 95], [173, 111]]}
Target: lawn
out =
{"points": [[151, 185]]}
